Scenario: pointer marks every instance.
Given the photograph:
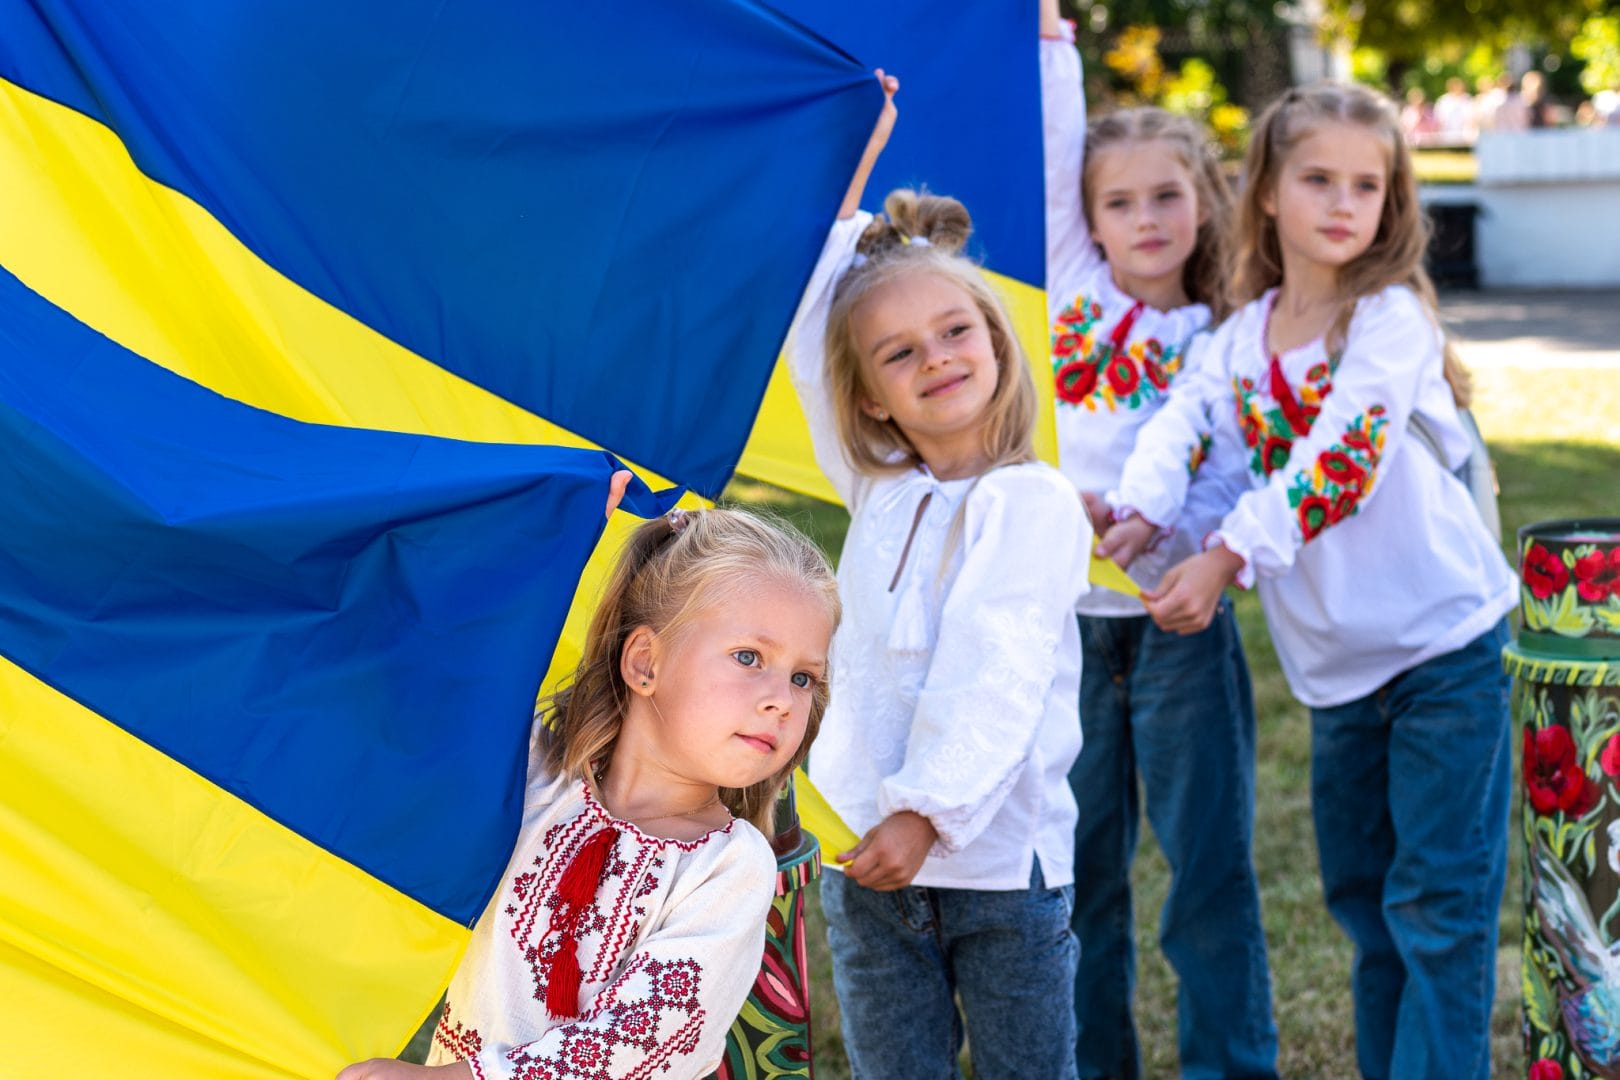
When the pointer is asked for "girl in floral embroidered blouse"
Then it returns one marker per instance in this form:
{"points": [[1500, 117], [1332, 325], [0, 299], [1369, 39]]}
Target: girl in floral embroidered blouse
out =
{"points": [[949, 742], [1383, 589], [1137, 212], [630, 923]]}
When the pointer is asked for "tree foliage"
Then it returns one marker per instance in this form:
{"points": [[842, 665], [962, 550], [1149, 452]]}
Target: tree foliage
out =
{"points": [[1409, 30]]}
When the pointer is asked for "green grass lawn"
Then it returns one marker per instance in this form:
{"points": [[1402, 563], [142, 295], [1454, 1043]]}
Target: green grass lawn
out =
{"points": [[1310, 958]]}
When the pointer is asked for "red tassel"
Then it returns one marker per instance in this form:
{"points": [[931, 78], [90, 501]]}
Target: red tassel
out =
{"points": [[576, 890], [563, 979], [1286, 402], [579, 882]]}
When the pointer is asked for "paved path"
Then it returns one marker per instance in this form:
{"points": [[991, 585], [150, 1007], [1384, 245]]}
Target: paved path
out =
{"points": [[1517, 328]]}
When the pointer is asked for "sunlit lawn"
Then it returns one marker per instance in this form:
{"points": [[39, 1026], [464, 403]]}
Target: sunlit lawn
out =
{"points": [[1555, 435]]}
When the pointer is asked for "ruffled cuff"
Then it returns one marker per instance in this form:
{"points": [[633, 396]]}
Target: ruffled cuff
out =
{"points": [[955, 827], [1245, 574], [1124, 512]]}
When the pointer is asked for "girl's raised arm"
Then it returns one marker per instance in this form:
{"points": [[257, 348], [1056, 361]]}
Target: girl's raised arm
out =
{"points": [[806, 342], [1071, 256]]}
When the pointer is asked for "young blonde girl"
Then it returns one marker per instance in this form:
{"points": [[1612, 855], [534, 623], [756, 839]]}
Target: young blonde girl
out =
{"points": [[1384, 592], [1137, 215], [949, 743], [630, 922]]}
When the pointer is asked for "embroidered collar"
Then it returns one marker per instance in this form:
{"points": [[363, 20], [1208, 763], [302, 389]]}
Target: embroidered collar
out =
{"points": [[597, 810]]}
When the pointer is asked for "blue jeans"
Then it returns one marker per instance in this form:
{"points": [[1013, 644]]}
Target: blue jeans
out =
{"points": [[1178, 712], [1409, 790], [900, 958]]}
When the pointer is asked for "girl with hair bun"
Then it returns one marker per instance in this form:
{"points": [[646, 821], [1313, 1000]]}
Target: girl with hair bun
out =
{"points": [[628, 927], [1331, 397], [1137, 212], [949, 742]]}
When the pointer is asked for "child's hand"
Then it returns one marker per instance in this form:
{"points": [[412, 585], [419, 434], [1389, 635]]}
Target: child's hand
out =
{"points": [[1051, 22], [391, 1069], [890, 855], [1127, 539], [1190, 591], [617, 484], [1098, 510], [874, 146]]}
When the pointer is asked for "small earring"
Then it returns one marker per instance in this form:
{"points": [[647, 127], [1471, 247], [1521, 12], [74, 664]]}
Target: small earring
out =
{"points": [[643, 682], [881, 416]]}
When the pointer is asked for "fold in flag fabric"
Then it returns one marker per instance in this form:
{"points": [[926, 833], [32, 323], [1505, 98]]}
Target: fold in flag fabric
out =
{"points": [[290, 296], [970, 127]]}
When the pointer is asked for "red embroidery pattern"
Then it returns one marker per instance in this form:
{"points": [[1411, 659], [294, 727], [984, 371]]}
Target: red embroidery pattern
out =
{"points": [[652, 1015], [1271, 432], [462, 1041], [1332, 488], [1091, 368]]}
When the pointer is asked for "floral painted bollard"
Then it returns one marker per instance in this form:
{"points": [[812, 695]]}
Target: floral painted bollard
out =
{"points": [[1566, 694], [771, 1037]]}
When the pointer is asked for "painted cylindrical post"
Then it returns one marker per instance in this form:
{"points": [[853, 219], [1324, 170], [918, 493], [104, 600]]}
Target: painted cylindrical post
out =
{"points": [[771, 1037], [1566, 695]]}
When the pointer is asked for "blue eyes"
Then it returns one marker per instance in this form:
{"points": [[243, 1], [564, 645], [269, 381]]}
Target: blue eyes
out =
{"points": [[749, 658]]}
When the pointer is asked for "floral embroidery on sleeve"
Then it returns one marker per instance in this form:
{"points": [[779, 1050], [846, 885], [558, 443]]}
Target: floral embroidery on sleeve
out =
{"points": [[1198, 452], [1088, 369], [1271, 433], [1332, 487]]}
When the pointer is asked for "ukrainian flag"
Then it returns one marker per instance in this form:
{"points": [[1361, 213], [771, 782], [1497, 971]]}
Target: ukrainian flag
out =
{"points": [[290, 296]]}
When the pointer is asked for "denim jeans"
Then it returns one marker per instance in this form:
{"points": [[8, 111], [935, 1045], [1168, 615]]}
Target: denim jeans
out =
{"points": [[900, 958], [1178, 712], [1409, 790]]}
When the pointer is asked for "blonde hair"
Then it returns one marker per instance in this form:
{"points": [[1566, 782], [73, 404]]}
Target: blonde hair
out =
{"points": [[879, 446], [1395, 256], [665, 577], [1203, 276]]}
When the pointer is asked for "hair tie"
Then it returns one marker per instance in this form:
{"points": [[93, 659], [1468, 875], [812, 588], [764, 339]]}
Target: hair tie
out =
{"points": [[858, 261], [678, 520], [915, 241]]}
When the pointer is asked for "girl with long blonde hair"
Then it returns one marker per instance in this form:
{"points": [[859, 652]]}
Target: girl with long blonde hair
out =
{"points": [[1138, 212], [1384, 590]]}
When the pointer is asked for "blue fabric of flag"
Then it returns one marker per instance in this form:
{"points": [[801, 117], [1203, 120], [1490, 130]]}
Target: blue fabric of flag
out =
{"points": [[345, 628], [970, 118], [611, 237]]}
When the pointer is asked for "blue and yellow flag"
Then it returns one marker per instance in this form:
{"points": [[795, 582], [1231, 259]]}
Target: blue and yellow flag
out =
{"points": [[290, 294]]}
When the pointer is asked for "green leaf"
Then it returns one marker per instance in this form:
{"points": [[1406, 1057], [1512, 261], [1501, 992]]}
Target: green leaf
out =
{"points": [[1537, 613], [1540, 1007], [1570, 619]]}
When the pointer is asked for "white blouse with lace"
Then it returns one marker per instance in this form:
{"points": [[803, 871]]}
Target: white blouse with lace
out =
{"points": [[667, 948], [1370, 557], [954, 692]]}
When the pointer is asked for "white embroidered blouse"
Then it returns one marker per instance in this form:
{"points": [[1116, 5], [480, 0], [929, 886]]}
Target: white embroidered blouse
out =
{"points": [[955, 692], [1113, 359], [668, 950], [1370, 557]]}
